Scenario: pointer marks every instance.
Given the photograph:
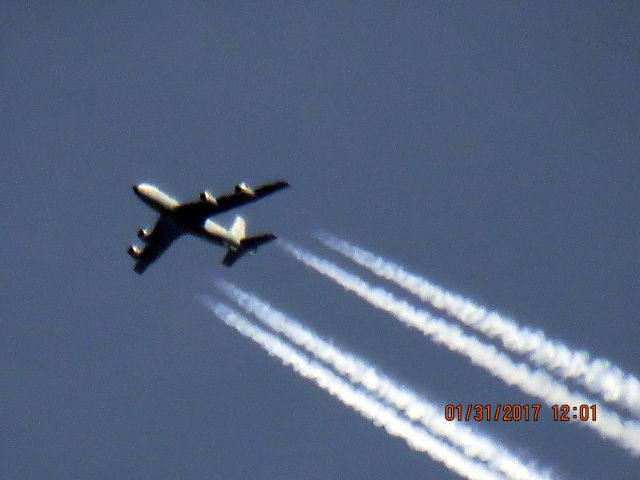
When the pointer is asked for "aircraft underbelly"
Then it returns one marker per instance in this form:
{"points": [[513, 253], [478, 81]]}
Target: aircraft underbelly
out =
{"points": [[219, 234]]}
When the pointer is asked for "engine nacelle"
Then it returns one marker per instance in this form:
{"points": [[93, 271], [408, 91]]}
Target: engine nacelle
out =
{"points": [[134, 251], [144, 233], [207, 197], [244, 188]]}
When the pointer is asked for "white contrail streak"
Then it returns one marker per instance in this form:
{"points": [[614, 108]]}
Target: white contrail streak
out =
{"points": [[361, 372], [378, 413], [598, 376], [538, 383]]}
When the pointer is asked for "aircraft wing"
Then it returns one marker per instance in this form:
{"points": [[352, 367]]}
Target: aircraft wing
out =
{"points": [[164, 233], [239, 198], [198, 212]]}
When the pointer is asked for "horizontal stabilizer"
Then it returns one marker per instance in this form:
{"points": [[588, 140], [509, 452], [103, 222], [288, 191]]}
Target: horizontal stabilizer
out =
{"points": [[252, 243], [249, 244]]}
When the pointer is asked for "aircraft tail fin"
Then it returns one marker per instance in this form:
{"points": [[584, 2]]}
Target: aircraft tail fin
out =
{"points": [[247, 244], [238, 228]]}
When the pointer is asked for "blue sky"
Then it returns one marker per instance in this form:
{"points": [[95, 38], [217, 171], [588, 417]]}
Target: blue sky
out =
{"points": [[491, 147]]}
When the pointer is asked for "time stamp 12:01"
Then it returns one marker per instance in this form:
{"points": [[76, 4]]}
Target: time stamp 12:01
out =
{"points": [[514, 412]]}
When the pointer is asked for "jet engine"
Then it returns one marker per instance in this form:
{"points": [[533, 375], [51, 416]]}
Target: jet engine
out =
{"points": [[134, 251], [207, 197], [244, 188], [144, 233]]}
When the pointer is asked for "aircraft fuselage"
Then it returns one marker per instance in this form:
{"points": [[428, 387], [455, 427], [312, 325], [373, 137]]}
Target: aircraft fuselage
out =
{"points": [[166, 205], [155, 198]]}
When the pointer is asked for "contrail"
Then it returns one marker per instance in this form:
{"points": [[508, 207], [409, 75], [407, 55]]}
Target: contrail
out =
{"points": [[378, 413], [598, 376], [360, 372], [538, 383]]}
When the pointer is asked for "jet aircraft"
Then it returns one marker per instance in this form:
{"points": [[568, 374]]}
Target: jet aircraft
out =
{"points": [[178, 218]]}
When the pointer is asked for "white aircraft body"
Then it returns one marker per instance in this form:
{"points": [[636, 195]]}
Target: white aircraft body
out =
{"points": [[178, 218]]}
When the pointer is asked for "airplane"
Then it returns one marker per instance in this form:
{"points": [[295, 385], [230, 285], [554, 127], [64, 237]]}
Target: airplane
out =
{"points": [[178, 218]]}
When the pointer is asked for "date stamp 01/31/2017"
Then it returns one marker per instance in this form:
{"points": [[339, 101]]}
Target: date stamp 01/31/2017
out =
{"points": [[514, 412]]}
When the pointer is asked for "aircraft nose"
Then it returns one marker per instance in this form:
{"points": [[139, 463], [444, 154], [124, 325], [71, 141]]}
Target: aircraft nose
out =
{"points": [[135, 188]]}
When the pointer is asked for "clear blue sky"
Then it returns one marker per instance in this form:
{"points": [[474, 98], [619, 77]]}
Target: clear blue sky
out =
{"points": [[491, 146]]}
